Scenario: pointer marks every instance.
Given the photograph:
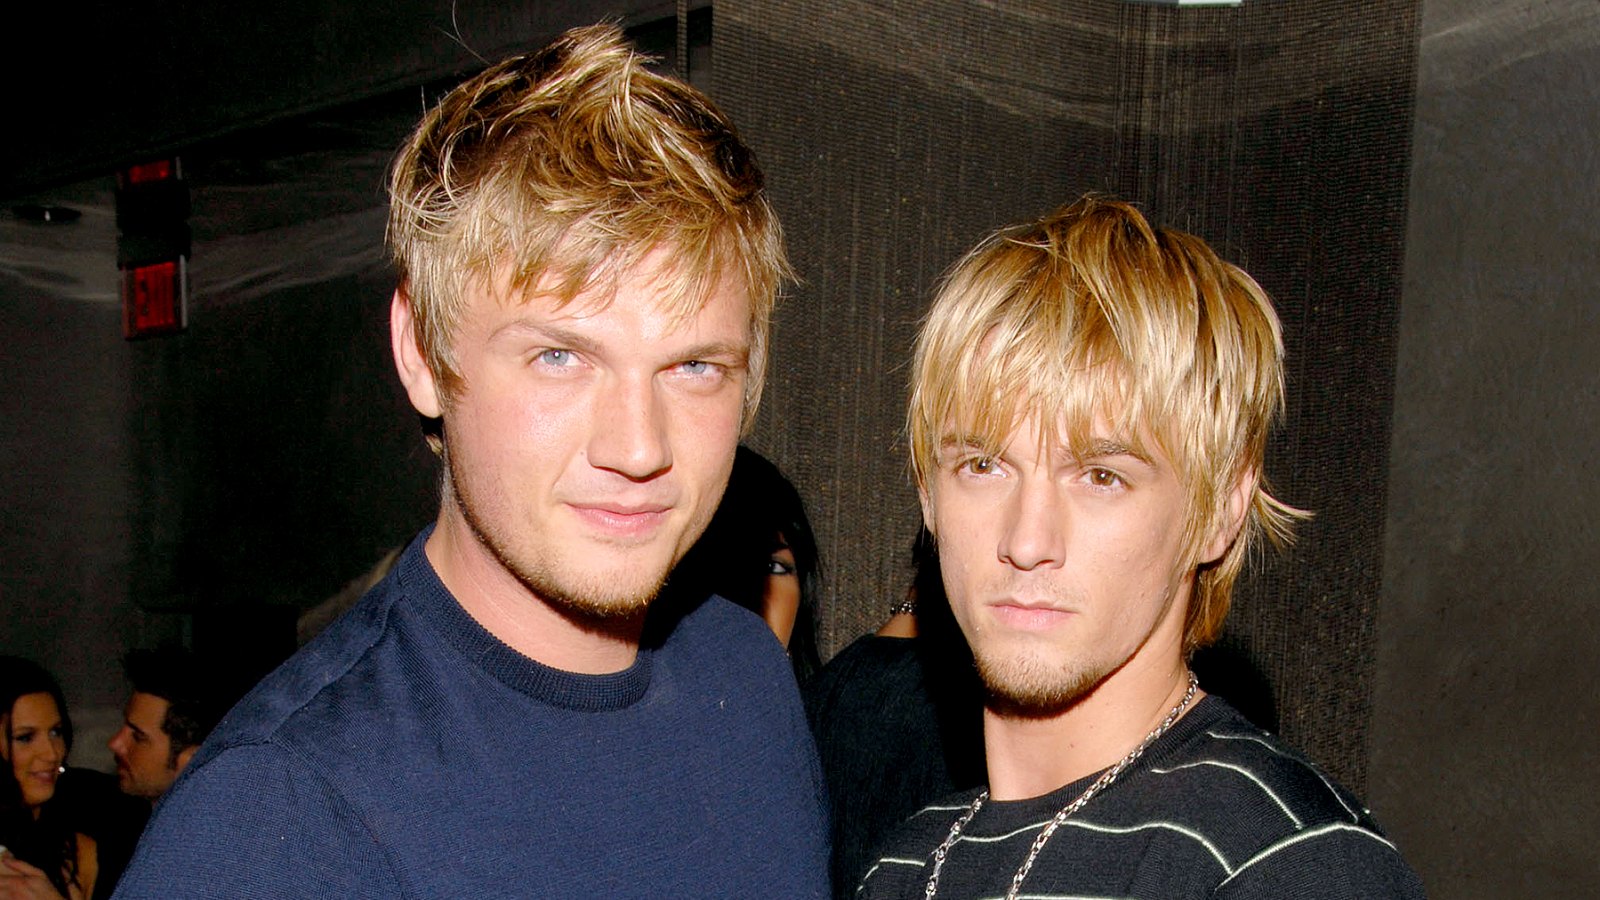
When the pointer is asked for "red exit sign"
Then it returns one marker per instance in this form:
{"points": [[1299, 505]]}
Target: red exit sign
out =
{"points": [[155, 299], [153, 248]]}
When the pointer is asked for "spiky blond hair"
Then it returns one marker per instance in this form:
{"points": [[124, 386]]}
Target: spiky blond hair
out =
{"points": [[558, 168]]}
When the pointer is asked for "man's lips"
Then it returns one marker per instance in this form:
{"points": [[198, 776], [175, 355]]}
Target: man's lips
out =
{"points": [[1029, 616], [622, 519]]}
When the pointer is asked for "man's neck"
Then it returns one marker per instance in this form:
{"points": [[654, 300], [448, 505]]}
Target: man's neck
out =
{"points": [[1032, 756], [507, 609]]}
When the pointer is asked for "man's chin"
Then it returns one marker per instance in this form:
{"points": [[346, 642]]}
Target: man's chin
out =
{"points": [[603, 610], [1030, 690], [603, 595], [595, 600]]}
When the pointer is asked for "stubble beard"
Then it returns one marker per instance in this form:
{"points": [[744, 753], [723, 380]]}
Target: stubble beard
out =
{"points": [[1030, 687], [137, 787], [134, 784], [593, 603]]}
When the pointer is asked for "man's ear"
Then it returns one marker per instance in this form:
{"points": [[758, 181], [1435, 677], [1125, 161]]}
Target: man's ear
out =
{"points": [[1236, 506], [408, 359], [927, 509], [185, 755]]}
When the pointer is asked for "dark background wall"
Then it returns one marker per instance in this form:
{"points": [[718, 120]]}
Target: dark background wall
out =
{"points": [[1425, 639], [65, 536], [1483, 764]]}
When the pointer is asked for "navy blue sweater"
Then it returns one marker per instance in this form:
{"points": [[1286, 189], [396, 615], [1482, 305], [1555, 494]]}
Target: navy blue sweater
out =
{"points": [[407, 752]]}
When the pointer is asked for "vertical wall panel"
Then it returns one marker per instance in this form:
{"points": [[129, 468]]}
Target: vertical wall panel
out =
{"points": [[1487, 694]]}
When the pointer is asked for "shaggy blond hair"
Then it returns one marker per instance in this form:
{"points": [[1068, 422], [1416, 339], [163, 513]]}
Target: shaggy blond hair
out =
{"points": [[1091, 311], [562, 168]]}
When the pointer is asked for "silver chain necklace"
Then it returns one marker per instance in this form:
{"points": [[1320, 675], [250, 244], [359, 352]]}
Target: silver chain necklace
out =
{"points": [[1100, 784]]}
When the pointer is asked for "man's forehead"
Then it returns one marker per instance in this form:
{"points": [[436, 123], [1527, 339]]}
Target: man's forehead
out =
{"points": [[580, 289], [721, 320], [141, 704], [655, 304], [1080, 436]]}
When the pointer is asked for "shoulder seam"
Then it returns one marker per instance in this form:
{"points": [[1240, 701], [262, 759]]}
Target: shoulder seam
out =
{"points": [[270, 734]]}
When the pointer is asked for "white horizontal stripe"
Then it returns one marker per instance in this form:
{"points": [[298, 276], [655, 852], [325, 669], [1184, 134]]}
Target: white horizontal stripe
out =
{"points": [[875, 866], [1056, 897], [865, 878], [1306, 836], [1354, 816], [1106, 829], [995, 839], [1246, 737], [1170, 826], [941, 807], [1242, 771], [1059, 897]]}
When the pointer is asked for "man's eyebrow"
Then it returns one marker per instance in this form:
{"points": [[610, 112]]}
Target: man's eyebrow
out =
{"points": [[1100, 448], [568, 339], [739, 351], [961, 443], [555, 334]]}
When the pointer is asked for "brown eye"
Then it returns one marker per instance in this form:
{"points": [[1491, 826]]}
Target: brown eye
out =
{"points": [[1104, 478], [980, 465]]}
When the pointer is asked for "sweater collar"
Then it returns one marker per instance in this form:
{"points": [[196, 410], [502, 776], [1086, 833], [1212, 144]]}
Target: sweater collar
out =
{"points": [[426, 594]]}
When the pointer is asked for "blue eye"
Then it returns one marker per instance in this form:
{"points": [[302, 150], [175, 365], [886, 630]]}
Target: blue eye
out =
{"points": [[697, 367], [558, 358]]}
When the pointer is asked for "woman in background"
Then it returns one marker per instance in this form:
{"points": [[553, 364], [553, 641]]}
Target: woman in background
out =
{"points": [[44, 856], [760, 553], [898, 718]]}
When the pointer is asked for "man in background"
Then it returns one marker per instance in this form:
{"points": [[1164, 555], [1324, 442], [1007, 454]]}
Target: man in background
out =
{"points": [[169, 713]]}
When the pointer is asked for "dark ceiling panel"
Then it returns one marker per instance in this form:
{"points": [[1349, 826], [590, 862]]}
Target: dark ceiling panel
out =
{"points": [[101, 84]]}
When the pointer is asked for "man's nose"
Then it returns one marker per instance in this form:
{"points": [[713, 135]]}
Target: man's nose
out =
{"points": [[1035, 532], [630, 430]]}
